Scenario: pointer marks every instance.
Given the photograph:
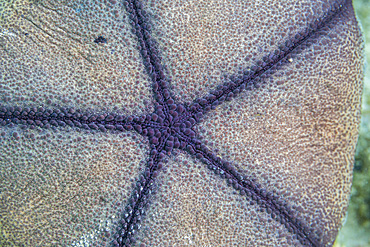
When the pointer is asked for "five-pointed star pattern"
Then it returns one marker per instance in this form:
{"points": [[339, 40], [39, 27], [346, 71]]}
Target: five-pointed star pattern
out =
{"points": [[172, 126]]}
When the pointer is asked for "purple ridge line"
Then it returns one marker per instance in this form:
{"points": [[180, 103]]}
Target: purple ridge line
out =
{"points": [[266, 200], [186, 119], [149, 53], [46, 118]]}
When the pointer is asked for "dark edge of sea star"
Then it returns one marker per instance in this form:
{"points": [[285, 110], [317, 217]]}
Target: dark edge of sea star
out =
{"points": [[171, 125]]}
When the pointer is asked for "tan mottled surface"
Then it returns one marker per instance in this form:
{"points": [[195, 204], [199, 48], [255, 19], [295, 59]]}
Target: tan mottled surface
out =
{"points": [[296, 135], [194, 207], [57, 62], [63, 187], [208, 40], [356, 229]]}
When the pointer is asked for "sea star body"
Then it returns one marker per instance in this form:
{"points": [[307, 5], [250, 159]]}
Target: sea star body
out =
{"points": [[172, 127]]}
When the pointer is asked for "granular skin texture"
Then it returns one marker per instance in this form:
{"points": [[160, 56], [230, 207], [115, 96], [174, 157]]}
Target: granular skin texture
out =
{"points": [[177, 123]]}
